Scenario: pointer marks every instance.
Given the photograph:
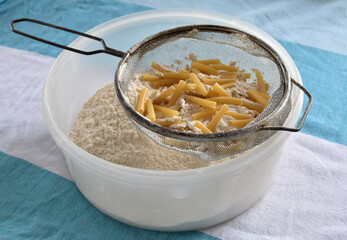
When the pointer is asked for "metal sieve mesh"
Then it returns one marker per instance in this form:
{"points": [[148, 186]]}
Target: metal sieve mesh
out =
{"points": [[206, 42]]}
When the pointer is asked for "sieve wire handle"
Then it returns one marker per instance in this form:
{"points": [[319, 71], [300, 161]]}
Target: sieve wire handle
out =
{"points": [[303, 117], [106, 49]]}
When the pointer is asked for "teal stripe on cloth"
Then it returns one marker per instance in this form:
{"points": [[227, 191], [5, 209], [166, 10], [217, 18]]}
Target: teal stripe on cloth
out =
{"points": [[38, 204], [324, 74]]}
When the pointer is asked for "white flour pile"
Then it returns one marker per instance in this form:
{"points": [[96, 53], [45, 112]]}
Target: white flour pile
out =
{"points": [[103, 129]]}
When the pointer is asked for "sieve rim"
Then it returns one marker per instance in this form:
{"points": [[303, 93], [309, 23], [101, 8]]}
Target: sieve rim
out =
{"points": [[200, 137]]}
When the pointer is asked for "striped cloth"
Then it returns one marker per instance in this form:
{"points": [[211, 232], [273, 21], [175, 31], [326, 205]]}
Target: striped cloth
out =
{"points": [[308, 199]]}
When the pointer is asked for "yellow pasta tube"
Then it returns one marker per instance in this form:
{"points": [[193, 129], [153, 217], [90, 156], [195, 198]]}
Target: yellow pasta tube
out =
{"points": [[217, 117], [167, 111], [211, 81], [164, 82], [183, 71], [257, 97], [167, 123], [209, 61], [202, 127], [204, 114], [150, 110], [199, 86], [177, 93], [212, 93], [264, 95], [228, 85], [253, 106], [227, 100], [149, 77], [240, 123], [237, 115], [164, 94], [228, 74], [261, 82], [159, 67], [194, 70], [190, 87], [224, 67], [201, 101], [204, 68], [220, 90], [176, 75], [141, 100]]}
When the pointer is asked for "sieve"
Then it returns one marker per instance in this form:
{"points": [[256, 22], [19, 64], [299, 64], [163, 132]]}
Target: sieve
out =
{"points": [[205, 41]]}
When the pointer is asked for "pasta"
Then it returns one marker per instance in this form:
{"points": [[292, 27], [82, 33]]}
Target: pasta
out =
{"points": [[240, 123], [212, 125], [206, 96], [261, 81], [199, 86], [227, 100], [257, 97], [201, 101], [168, 111], [141, 100], [204, 68], [164, 94], [202, 127], [177, 93], [150, 110]]}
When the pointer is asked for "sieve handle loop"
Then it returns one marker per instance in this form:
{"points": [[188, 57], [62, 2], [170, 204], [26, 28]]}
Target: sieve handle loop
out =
{"points": [[303, 117], [106, 49]]}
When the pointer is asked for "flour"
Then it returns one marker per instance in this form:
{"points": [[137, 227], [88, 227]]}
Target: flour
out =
{"points": [[103, 129]]}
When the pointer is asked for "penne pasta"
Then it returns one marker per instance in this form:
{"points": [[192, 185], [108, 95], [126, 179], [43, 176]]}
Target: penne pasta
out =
{"points": [[149, 77], [204, 68], [164, 94], [228, 85], [164, 82], [204, 114], [237, 115], [167, 111], [224, 67], [167, 123], [253, 106], [217, 117], [177, 93], [141, 100], [227, 100], [150, 110], [257, 97], [221, 92], [211, 81], [199, 86], [261, 82], [158, 67], [201, 101], [176, 75], [202, 127], [240, 123]]}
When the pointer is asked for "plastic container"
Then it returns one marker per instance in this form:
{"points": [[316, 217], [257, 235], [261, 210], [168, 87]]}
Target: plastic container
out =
{"points": [[157, 200]]}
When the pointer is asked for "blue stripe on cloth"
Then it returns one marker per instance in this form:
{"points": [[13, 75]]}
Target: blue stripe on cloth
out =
{"points": [[38, 204], [324, 74]]}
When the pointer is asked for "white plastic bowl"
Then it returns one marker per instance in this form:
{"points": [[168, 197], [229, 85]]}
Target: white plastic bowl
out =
{"points": [[157, 200]]}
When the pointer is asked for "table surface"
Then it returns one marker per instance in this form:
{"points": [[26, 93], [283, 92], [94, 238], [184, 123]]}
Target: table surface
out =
{"points": [[308, 199]]}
